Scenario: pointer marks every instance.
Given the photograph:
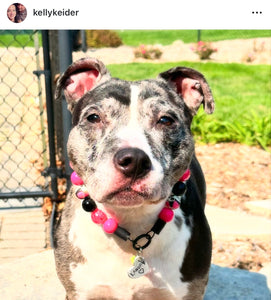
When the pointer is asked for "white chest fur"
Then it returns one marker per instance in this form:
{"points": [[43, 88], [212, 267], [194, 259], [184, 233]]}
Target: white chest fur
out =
{"points": [[104, 273]]}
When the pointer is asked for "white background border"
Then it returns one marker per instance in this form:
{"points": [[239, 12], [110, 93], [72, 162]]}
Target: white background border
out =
{"points": [[145, 14]]}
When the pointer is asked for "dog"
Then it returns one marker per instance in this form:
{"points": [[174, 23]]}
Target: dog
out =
{"points": [[129, 145]]}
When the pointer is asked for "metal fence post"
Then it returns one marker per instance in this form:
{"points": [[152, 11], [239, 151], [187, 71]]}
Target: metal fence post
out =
{"points": [[84, 42], [51, 127], [65, 59], [50, 113], [199, 35]]}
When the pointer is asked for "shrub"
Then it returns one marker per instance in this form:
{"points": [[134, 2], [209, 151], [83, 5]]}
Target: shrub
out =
{"points": [[249, 57], [253, 130], [204, 50], [102, 38], [147, 52]]}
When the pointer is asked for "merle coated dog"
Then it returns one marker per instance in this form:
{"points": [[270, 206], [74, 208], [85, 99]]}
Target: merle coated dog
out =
{"points": [[129, 145]]}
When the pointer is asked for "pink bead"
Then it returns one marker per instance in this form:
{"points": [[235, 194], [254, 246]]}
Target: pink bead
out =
{"points": [[75, 179], [70, 163], [110, 225], [175, 205], [98, 216], [186, 175], [80, 194], [166, 214]]}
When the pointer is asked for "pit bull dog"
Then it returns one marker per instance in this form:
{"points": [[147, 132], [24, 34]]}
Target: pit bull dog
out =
{"points": [[138, 189]]}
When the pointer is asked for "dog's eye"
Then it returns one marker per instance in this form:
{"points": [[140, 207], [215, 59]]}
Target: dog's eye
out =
{"points": [[94, 118], [166, 121]]}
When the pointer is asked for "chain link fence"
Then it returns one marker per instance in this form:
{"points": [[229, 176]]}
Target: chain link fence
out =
{"points": [[23, 139]]}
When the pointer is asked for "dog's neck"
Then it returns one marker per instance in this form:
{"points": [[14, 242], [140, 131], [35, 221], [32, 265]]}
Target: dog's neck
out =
{"points": [[135, 219]]}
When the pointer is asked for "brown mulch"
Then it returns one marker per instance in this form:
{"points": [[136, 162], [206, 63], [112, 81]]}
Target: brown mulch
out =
{"points": [[244, 253], [236, 174]]}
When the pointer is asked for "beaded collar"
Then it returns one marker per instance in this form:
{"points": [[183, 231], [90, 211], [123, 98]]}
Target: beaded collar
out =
{"points": [[110, 225]]}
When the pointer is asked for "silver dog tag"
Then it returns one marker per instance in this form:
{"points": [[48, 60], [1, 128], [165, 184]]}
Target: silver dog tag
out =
{"points": [[139, 268]]}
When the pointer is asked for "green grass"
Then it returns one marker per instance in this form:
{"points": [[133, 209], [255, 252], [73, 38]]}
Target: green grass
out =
{"points": [[242, 95], [167, 37], [148, 37]]}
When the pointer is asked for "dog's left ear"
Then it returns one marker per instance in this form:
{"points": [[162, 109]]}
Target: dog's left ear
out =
{"points": [[192, 86]]}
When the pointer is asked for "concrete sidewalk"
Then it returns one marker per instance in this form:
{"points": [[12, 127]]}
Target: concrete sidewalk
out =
{"points": [[225, 223], [22, 232]]}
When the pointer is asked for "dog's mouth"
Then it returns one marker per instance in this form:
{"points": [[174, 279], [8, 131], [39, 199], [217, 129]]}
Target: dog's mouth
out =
{"points": [[128, 197]]}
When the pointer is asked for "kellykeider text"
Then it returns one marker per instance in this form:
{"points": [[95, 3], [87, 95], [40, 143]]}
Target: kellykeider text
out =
{"points": [[54, 12]]}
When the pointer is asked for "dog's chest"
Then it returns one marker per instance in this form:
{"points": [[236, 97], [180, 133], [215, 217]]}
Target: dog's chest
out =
{"points": [[103, 275]]}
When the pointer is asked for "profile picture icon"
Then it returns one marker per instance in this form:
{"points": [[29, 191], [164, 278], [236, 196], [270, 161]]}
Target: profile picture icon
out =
{"points": [[16, 12]]}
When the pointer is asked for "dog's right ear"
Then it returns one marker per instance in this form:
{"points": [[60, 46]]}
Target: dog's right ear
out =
{"points": [[81, 77]]}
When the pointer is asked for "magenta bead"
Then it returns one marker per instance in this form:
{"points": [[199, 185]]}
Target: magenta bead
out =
{"points": [[166, 214], [81, 195], [186, 175], [75, 179], [110, 225], [98, 216], [175, 205]]}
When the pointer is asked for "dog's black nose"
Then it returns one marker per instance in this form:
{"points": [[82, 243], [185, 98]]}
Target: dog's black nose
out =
{"points": [[132, 162]]}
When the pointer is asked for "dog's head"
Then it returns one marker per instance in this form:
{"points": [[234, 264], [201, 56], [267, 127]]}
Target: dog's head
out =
{"points": [[131, 141]]}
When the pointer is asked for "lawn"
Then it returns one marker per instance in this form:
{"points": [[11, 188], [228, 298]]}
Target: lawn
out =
{"points": [[149, 37], [241, 92], [167, 37]]}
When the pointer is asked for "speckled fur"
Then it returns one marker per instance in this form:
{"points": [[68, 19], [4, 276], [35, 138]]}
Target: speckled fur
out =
{"points": [[92, 264]]}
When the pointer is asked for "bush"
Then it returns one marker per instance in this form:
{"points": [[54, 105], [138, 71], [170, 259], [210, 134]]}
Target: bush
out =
{"points": [[253, 130], [102, 38], [204, 50], [148, 52]]}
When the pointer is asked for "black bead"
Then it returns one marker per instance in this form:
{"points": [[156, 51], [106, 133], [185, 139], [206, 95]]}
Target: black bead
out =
{"points": [[122, 233], [179, 188], [158, 226], [88, 204]]}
